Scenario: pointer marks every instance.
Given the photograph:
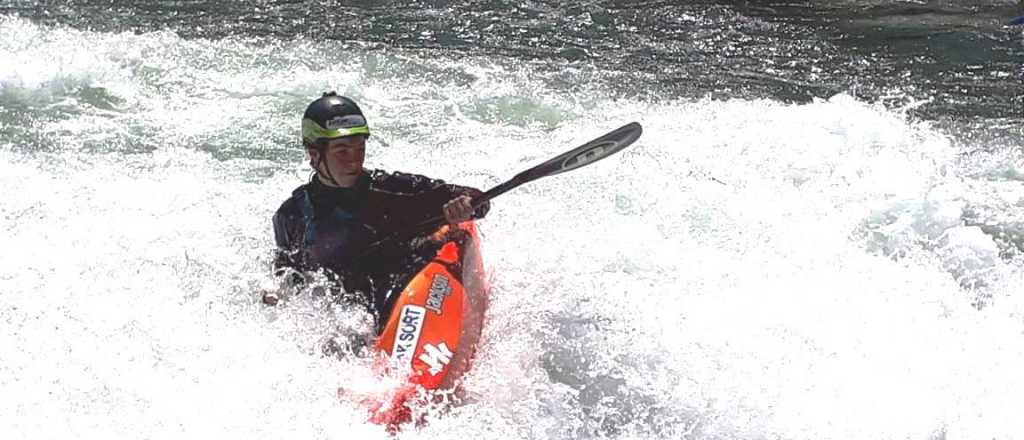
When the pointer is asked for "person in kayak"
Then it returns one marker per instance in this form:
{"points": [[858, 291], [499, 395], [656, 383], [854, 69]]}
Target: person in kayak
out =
{"points": [[330, 223]]}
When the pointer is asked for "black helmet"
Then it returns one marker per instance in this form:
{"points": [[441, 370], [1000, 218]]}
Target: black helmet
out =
{"points": [[332, 116]]}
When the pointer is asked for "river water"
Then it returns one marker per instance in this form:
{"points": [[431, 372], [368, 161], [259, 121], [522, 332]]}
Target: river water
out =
{"points": [[819, 234]]}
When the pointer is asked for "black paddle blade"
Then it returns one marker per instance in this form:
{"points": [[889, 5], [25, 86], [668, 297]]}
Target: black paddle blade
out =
{"points": [[586, 154], [590, 152]]}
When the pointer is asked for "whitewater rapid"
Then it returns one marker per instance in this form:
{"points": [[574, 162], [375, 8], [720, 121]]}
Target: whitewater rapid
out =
{"points": [[749, 269]]}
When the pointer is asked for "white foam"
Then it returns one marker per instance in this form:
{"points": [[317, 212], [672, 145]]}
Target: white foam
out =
{"points": [[750, 269]]}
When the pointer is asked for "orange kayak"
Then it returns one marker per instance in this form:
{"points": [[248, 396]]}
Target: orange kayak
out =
{"points": [[435, 324]]}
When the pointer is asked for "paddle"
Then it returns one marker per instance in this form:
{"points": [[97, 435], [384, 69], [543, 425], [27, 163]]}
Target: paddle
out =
{"points": [[586, 154]]}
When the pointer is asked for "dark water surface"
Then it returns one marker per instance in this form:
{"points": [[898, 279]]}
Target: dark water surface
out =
{"points": [[958, 57]]}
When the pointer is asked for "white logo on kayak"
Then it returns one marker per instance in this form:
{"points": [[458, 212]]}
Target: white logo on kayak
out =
{"points": [[439, 290], [436, 357], [410, 324]]}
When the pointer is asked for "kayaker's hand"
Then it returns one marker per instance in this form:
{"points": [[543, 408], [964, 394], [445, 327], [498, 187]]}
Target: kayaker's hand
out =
{"points": [[458, 209], [271, 297]]}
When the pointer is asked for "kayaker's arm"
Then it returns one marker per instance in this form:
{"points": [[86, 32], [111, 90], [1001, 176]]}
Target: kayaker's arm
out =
{"points": [[417, 184], [287, 264]]}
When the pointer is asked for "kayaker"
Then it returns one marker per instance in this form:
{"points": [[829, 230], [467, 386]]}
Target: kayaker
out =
{"points": [[329, 223]]}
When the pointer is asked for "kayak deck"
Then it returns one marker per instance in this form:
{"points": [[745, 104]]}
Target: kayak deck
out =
{"points": [[435, 323]]}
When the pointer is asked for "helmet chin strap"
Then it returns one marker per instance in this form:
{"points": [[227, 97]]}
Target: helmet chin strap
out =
{"points": [[327, 166]]}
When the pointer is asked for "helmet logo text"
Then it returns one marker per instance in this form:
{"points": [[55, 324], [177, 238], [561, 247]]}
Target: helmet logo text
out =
{"points": [[347, 121]]}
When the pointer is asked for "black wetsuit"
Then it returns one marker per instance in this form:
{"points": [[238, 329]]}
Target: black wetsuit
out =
{"points": [[322, 227]]}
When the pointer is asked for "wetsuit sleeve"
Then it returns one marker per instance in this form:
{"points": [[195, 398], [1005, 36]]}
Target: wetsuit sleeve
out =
{"points": [[287, 256], [441, 191]]}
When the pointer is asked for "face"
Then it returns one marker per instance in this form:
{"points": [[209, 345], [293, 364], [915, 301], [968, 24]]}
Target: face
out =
{"points": [[343, 157]]}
